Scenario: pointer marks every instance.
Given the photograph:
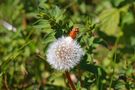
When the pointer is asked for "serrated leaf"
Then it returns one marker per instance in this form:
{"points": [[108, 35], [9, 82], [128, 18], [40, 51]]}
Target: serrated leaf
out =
{"points": [[57, 13], [44, 25]]}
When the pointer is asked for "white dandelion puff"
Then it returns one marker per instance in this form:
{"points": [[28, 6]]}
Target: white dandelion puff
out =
{"points": [[64, 54]]}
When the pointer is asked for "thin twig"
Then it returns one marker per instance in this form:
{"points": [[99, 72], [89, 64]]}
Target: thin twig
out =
{"points": [[70, 81]]}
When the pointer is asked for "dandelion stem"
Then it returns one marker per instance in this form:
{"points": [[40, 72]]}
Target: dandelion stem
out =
{"points": [[71, 84]]}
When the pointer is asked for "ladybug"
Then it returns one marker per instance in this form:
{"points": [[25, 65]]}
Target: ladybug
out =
{"points": [[74, 32]]}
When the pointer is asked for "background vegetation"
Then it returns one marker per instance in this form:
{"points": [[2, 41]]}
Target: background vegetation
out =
{"points": [[107, 35]]}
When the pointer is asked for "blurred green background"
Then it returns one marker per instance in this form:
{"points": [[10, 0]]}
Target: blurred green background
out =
{"points": [[107, 36]]}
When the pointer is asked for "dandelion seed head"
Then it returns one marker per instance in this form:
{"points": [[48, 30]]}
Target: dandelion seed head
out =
{"points": [[64, 54]]}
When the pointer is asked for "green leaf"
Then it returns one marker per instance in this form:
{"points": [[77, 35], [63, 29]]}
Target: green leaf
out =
{"points": [[79, 86], [57, 13], [124, 8], [117, 2], [1, 84], [109, 22]]}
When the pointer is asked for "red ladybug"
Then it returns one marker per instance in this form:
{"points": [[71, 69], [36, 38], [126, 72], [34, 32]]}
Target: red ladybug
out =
{"points": [[74, 32]]}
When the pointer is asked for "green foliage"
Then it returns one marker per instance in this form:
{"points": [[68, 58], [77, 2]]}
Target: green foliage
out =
{"points": [[106, 36], [110, 21]]}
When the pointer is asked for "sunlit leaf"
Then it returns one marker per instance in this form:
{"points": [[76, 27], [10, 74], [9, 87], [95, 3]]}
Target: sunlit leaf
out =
{"points": [[109, 22]]}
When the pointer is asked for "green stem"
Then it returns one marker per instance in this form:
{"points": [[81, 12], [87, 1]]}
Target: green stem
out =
{"points": [[114, 53]]}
